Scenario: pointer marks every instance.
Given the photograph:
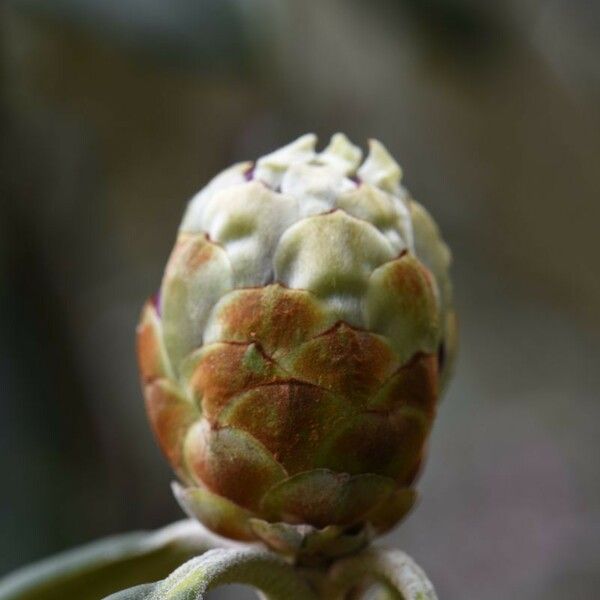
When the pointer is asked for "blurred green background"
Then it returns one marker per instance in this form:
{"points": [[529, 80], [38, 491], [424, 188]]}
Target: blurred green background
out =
{"points": [[114, 112]]}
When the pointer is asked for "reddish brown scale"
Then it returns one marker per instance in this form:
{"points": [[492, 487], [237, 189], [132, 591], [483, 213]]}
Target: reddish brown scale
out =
{"points": [[196, 258], [344, 360], [148, 350], [190, 253], [412, 278], [292, 420], [323, 497], [227, 370], [240, 318], [170, 417], [414, 384], [228, 464], [317, 502], [413, 295], [385, 444], [387, 514], [276, 316]]}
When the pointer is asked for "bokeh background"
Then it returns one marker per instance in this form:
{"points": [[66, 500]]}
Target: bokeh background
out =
{"points": [[114, 112]]}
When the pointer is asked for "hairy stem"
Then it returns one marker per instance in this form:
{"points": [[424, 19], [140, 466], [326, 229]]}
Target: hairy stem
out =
{"points": [[268, 573], [400, 576]]}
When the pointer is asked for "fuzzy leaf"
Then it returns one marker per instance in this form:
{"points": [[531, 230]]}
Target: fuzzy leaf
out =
{"points": [[100, 568]]}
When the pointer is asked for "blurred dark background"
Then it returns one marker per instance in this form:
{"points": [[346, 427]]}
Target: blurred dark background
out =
{"points": [[114, 112]]}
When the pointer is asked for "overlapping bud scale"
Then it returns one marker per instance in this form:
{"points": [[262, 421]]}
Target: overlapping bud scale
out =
{"points": [[291, 362]]}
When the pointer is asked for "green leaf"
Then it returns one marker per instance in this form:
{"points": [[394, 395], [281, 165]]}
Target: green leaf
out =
{"points": [[100, 568]]}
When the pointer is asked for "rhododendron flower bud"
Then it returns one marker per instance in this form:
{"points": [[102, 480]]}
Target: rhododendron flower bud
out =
{"points": [[293, 358]]}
